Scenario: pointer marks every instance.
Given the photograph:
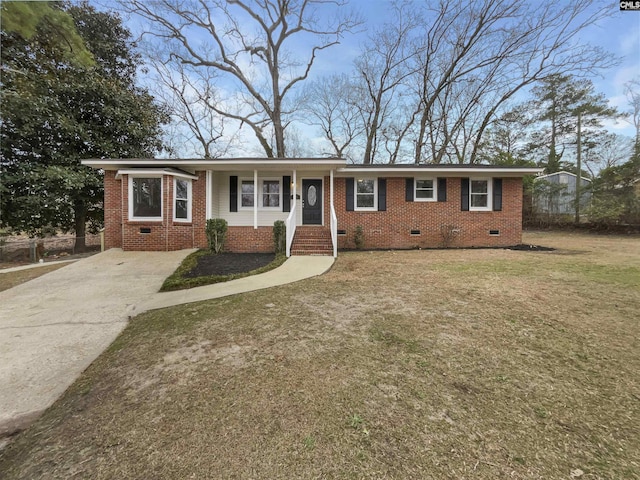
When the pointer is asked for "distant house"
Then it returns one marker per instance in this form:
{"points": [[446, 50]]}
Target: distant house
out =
{"points": [[163, 204], [555, 193]]}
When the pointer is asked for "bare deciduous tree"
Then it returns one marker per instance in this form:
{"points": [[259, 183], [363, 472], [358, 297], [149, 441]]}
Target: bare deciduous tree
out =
{"points": [[433, 80], [382, 71], [332, 105], [603, 150], [188, 94], [249, 45], [632, 92]]}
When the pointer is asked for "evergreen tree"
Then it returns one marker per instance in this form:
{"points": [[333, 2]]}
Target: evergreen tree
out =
{"points": [[57, 111], [557, 105]]}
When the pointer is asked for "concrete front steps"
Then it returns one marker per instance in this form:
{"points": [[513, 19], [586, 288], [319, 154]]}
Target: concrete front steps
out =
{"points": [[312, 241]]}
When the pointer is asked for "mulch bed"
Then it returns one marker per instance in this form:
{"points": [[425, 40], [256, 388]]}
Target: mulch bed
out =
{"points": [[229, 263], [531, 248]]}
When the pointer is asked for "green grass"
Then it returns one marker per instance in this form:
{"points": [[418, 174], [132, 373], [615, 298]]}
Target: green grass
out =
{"points": [[178, 281], [399, 365], [11, 279]]}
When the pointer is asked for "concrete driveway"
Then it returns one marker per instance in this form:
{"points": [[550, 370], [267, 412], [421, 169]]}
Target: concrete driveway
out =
{"points": [[54, 326]]}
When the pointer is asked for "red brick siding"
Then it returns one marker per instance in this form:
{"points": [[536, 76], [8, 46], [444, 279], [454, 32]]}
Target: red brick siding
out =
{"points": [[112, 211], [165, 234], [389, 229], [392, 228]]}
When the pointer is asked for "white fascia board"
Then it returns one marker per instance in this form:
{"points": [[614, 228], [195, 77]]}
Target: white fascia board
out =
{"points": [[156, 171], [221, 164], [445, 172]]}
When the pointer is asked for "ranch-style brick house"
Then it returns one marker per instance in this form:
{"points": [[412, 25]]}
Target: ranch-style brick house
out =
{"points": [[157, 204]]}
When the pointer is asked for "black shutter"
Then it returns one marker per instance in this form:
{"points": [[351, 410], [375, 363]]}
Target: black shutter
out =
{"points": [[408, 190], [286, 194], [382, 194], [233, 193], [497, 194], [442, 189], [464, 197], [349, 185]]}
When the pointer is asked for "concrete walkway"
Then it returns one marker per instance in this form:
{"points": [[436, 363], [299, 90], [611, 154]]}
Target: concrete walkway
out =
{"points": [[294, 269], [53, 327]]}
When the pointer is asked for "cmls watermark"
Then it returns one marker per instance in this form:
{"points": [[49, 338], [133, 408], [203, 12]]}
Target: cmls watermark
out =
{"points": [[630, 5]]}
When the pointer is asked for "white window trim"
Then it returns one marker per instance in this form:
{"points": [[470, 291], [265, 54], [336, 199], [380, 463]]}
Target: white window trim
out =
{"points": [[489, 206], [415, 190], [188, 199], [261, 193], [146, 219], [261, 181], [240, 180], [375, 196]]}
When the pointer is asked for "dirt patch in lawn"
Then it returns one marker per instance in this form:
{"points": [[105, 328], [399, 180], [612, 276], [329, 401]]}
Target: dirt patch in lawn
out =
{"points": [[229, 263], [440, 364]]}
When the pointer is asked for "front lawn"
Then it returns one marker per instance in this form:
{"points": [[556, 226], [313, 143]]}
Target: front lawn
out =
{"points": [[11, 279], [434, 364]]}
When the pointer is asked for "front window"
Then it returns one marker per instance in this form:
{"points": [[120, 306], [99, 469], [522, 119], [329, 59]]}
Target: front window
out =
{"points": [[366, 194], [146, 198], [182, 194], [479, 194], [247, 193], [271, 193], [425, 190]]}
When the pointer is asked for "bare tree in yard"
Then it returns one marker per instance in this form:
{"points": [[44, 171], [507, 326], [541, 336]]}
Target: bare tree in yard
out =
{"points": [[603, 150], [248, 44], [632, 92], [332, 105], [499, 48], [383, 70], [188, 94]]}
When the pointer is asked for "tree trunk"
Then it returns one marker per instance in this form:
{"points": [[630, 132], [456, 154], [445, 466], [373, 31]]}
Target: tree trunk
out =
{"points": [[80, 220], [579, 177]]}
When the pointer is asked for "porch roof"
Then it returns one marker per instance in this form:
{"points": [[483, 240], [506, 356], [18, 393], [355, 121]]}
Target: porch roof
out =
{"points": [[220, 164], [340, 166]]}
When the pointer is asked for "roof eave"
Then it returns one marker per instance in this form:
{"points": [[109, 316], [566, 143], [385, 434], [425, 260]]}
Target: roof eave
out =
{"points": [[444, 171], [218, 164]]}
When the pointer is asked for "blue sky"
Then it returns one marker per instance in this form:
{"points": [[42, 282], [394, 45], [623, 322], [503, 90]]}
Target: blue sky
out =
{"points": [[619, 34]]}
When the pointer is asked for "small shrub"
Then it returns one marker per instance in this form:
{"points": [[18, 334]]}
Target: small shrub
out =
{"points": [[448, 233], [279, 237], [216, 234], [605, 211], [358, 238]]}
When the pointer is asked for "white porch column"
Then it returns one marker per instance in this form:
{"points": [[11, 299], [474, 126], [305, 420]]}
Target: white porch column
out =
{"points": [[255, 199], [331, 188], [295, 189], [209, 195]]}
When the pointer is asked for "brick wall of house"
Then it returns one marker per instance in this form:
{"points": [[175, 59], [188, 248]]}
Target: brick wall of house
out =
{"points": [[112, 210], [248, 239], [392, 228], [387, 229], [164, 234]]}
